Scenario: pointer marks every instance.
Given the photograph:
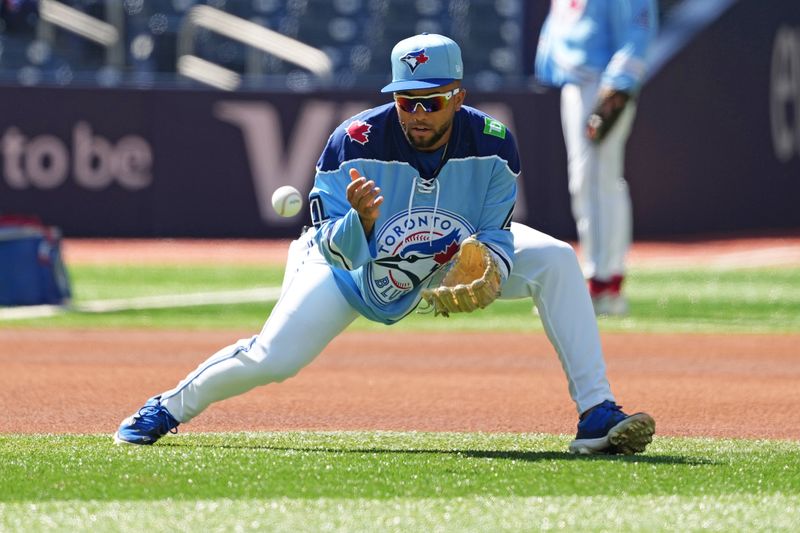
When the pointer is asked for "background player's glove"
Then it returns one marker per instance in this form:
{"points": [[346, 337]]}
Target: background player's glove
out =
{"points": [[606, 111], [472, 282]]}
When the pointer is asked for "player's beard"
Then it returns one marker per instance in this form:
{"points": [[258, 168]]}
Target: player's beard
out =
{"points": [[425, 145]]}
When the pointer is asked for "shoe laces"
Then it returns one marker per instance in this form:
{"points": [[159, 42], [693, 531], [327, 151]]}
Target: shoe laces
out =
{"points": [[156, 417], [607, 405]]}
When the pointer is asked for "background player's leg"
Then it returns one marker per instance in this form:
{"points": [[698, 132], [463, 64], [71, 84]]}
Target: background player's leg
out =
{"points": [[601, 203], [614, 214], [576, 103], [309, 314], [547, 270]]}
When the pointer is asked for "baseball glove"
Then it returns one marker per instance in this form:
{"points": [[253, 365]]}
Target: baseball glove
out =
{"points": [[472, 281], [609, 107]]}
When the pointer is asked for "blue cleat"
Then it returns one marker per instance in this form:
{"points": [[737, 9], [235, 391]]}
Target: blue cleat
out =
{"points": [[606, 429], [146, 426]]}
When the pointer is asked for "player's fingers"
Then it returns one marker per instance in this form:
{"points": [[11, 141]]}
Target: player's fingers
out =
{"points": [[354, 174], [353, 188], [365, 192], [372, 195], [366, 200], [357, 190]]}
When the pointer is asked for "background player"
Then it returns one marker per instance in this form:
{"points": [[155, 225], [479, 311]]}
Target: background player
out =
{"points": [[595, 50], [398, 188]]}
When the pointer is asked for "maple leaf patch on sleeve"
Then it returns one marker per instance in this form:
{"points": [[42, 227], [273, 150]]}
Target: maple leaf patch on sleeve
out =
{"points": [[358, 131]]}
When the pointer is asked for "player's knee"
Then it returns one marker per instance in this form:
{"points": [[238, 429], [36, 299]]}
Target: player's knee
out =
{"points": [[277, 371], [283, 375], [563, 252], [271, 366], [553, 254]]}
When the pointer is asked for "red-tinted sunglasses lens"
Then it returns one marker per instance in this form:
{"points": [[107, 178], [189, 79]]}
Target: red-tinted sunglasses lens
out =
{"points": [[434, 103]]}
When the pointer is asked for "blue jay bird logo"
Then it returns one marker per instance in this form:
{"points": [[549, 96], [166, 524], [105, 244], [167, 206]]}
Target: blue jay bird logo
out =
{"points": [[415, 59], [411, 248], [413, 261]]}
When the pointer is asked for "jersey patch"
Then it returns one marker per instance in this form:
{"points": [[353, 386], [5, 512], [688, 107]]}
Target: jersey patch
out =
{"points": [[494, 127], [358, 131], [411, 249]]}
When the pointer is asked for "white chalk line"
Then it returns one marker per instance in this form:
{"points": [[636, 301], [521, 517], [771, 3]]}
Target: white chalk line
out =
{"points": [[259, 294], [764, 257]]}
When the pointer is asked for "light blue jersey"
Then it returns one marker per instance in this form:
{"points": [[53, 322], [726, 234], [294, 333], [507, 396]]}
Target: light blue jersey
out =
{"points": [[429, 207], [589, 40]]}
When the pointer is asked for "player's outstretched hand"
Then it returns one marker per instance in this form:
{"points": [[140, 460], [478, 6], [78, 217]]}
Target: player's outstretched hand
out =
{"points": [[365, 198]]}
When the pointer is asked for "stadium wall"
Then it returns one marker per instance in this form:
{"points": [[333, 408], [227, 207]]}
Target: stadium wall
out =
{"points": [[715, 148]]}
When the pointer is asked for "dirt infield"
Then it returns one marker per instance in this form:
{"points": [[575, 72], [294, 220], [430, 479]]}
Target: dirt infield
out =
{"points": [[86, 381]]}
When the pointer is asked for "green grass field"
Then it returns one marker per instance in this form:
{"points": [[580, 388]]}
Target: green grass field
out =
{"points": [[394, 481], [312, 481], [747, 300]]}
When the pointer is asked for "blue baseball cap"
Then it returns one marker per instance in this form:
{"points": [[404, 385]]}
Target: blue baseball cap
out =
{"points": [[425, 61]]}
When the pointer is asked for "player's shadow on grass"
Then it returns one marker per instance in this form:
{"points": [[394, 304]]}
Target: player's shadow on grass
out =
{"points": [[511, 455]]}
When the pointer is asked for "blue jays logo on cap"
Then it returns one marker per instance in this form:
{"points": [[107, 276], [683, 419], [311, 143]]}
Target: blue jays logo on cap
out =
{"points": [[415, 59], [424, 61]]}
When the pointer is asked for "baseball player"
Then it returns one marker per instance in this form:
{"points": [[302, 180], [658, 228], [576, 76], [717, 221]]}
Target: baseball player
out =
{"points": [[413, 200], [595, 50]]}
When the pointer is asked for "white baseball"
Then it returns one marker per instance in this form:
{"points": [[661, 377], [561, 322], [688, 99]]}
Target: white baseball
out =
{"points": [[286, 201]]}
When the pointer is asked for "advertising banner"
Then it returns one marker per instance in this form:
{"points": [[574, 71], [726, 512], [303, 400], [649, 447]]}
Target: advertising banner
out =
{"points": [[715, 147]]}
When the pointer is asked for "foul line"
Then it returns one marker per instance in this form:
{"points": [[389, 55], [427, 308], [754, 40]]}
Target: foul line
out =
{"points": [[260, 294]]}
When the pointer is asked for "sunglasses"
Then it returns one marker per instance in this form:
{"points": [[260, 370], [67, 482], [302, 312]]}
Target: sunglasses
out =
{"points": [[430, 102]]}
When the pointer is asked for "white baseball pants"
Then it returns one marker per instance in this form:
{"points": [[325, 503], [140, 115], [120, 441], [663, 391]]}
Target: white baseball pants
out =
{"points": [[311, 312], [601, 203]]}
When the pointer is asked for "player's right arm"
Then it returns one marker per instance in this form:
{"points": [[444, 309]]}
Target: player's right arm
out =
{"points": [[364, 196], [343, 206], [340, 234]]}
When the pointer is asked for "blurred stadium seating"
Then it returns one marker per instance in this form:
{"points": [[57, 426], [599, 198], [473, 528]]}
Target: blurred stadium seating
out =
{"points": [[136, 43]]}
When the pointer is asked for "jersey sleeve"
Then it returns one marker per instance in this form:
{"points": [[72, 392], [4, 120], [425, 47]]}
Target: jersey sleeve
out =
{"points": [[494, 229], [340, 234], [633, 23]]}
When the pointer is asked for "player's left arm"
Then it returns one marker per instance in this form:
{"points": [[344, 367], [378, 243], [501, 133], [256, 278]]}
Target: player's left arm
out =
{"points": [[494, 229], [475, 275], [633, 26], [494, 226]]}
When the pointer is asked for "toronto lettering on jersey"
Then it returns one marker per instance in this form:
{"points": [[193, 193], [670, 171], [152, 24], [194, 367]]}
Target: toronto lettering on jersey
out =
{"points": [[413, 247], [399, 231]]}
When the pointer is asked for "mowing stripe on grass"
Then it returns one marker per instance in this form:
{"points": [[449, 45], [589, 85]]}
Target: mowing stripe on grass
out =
{"points": [[746, 512], [167, 301]]}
